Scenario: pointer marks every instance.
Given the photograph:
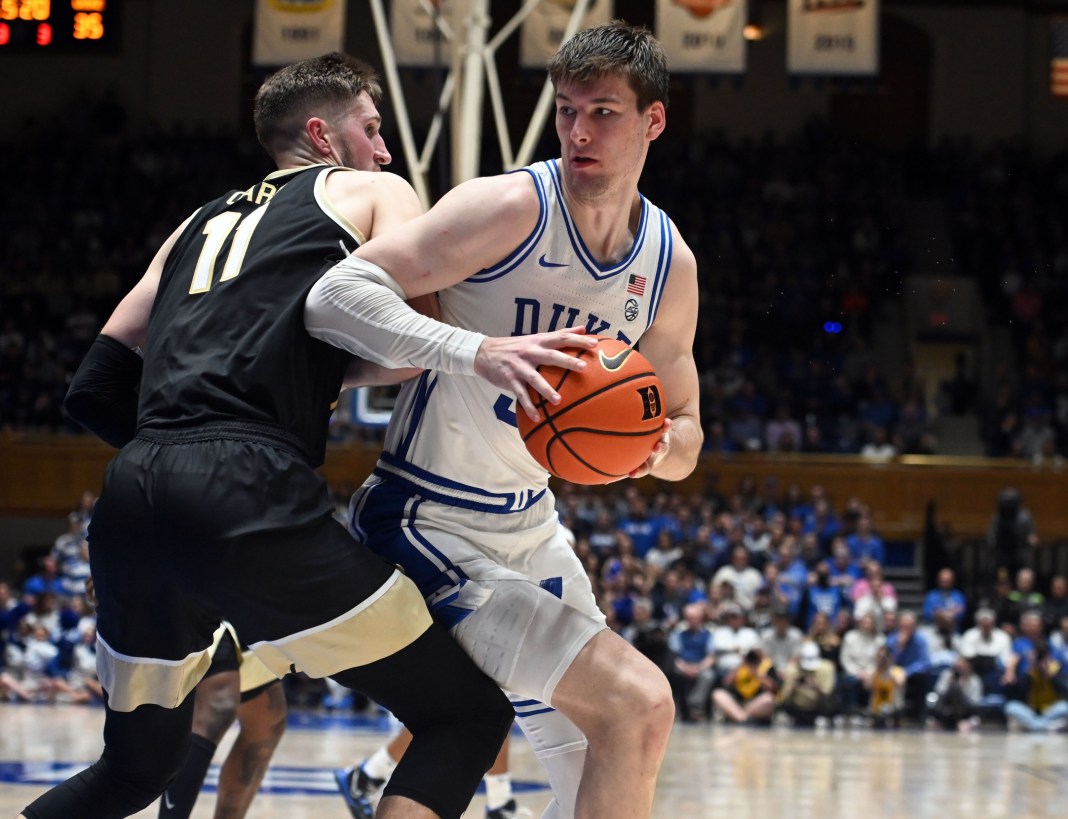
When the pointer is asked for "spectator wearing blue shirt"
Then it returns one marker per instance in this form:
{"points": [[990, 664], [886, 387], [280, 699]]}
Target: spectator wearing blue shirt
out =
{"points": [[945, 598], [638, 526], [864, 544], [46, 580], [1023, 653], [693, 667], [843, 569], [821, 597], [908, 650]]}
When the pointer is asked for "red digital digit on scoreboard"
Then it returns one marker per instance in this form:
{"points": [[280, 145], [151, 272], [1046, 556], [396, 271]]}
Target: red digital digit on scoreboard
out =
{"points": [[44, 34], [5, 34]]}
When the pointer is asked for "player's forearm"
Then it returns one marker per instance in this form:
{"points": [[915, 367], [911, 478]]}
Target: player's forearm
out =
{"points": [[680, 459], [356, 306]]}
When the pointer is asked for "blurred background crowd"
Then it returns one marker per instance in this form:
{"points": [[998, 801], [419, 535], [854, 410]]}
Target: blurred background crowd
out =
{"points": [[761, 605], [806, 249]]}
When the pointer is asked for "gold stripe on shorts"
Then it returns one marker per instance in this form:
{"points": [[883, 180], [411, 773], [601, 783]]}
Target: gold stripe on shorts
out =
{"points": [[254, 674], [387, 621], [133, 681]]}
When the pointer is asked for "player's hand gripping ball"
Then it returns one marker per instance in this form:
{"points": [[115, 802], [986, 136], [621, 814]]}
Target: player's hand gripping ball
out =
{"points": [[609, 418]]}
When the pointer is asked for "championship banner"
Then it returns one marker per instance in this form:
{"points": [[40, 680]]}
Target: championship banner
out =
{"points": [[418, 39], [285, 31], [832, 37], [544, 28], [1058, 60], [703, 35]]}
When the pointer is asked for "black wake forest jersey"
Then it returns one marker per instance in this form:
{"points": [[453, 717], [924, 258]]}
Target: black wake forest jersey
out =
{"points": [[226, 339]]}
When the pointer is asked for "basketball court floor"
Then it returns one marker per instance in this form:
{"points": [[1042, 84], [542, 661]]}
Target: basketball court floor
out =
{"points": [[711, 771]]}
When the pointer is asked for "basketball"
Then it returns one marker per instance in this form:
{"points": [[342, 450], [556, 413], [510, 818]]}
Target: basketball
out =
{"points": [[608, 420]]}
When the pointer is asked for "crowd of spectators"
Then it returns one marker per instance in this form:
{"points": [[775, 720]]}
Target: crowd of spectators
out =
{"points": [[757, 605], [800, 244], [769, 605]]}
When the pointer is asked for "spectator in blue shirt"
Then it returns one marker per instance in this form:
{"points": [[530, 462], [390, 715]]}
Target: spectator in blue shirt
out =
{"points": [[945, 598], [865, 545], [693, 668], [908, 650]]}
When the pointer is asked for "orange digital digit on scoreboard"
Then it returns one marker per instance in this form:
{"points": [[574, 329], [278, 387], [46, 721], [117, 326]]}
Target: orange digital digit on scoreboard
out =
{"points": [[59, 25]]}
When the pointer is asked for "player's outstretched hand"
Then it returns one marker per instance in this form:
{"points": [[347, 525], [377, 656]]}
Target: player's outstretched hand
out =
{"points": [[659, 452], [512, 363]]}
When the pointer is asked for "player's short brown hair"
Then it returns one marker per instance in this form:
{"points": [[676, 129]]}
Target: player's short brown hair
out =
{"points": [[631, 52], [321, 86]]}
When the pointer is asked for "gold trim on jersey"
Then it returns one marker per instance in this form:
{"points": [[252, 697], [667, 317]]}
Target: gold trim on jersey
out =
{"points": [[133, 681], [331, 211], [387, 621]]}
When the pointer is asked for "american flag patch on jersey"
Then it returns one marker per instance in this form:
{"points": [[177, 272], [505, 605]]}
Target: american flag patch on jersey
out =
{"points": [[636, 285]]}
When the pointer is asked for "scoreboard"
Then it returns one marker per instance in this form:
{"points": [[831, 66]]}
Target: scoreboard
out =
{"points": [[59, 25]]}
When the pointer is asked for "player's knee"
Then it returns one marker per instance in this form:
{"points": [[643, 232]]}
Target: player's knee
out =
{"points": [[142, 776], [640, 704]]}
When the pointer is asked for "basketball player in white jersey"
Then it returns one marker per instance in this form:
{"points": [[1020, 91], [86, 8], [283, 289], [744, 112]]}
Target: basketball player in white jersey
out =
{"points": [[456, 499]]}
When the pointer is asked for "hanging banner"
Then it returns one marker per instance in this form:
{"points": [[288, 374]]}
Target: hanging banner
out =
{"points": [[832, 37], [425, 31], [703, 35], [1058, 59], [285, 31], [544, 28]]}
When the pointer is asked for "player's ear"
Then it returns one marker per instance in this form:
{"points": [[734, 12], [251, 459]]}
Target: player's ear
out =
{"points": [[657, 120], [317, 131]]}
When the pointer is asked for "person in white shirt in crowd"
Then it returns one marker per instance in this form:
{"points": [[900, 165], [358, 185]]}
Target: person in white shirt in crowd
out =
{"points": [[860, 647], [988, 648], [874, 595], [739, 574], [782, 640], [732, 638]]}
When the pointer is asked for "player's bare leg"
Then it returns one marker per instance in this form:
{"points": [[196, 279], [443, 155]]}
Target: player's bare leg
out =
{"points": [[622, 703], [263, 721]]}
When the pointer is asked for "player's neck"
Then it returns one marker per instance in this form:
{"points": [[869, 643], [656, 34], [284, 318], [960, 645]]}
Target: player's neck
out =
{"points": [[607, 224]]}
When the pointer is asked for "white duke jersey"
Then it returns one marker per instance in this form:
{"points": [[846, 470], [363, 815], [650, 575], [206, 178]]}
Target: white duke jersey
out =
{"points": [[454, 437]]}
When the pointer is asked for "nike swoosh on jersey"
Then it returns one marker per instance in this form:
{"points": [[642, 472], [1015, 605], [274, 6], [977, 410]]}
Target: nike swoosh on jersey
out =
{"points": [[167, 801], [546, 263], [615, 362]]}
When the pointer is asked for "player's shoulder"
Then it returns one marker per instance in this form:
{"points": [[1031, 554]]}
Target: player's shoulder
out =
{"points": [[509, 194], [347, 181]]}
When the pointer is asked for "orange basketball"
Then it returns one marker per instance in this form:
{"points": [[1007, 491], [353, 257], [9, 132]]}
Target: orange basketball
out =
{"points": [[608, 420]]}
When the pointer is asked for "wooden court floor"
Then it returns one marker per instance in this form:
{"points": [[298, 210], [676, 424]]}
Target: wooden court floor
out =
{"points": [[711, 771]]}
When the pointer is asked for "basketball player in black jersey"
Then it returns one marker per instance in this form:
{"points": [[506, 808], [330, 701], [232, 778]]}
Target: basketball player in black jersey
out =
{"points": [[213, 509]]}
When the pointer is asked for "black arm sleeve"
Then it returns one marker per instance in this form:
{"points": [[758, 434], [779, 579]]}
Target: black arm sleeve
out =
{"points": [[103, 394]]}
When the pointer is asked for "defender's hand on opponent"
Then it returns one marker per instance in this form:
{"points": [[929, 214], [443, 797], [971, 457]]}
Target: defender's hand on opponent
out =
{"points": [[512, 363]]}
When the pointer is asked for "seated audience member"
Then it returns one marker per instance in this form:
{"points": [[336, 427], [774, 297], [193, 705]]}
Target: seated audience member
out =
{"points": [[860, 646], [1024, 597], [46, 581], [739, 574], [763, 612], [731, 637], [886, 691], [747, 692], [823, 634], [808, 687], [874, 595], [82, 677], [1055, 608], [944, 597], [71, 553], [943, 641], [843, 569], [864, 545], [1058, 640], [693, 670], [782, 640], [988, 649], [820, 597], [908, 651], [1038, 703], [1024, 648], [954, 702], [664, 552]]}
